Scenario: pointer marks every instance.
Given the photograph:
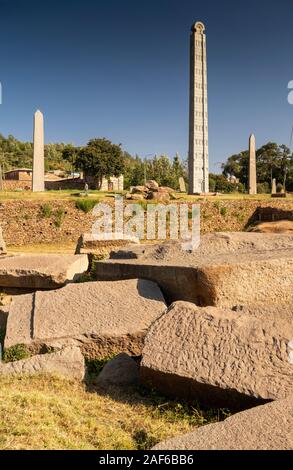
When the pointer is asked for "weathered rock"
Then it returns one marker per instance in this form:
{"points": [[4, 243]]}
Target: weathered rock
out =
{"points": [[152, 184], [226, 270], [90, 244], [213, 245], [166, 189], [103, 317], [3, 250], [41, 271], [277, 226], [218, 357], [68, 362], [138, 197], [122, 370], [266, 427], [279, 195], [182, 185], [139, 190], [159, 196]]}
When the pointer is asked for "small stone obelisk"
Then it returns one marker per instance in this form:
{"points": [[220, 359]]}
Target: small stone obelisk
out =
{"points": [[274, 186], [39, 156], [252, 166]]}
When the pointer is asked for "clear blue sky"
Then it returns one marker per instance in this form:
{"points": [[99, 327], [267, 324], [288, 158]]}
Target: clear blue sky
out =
{"points": [[119, 69]]}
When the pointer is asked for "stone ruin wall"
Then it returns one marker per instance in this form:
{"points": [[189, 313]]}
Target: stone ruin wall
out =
{"points": [[23, 222]]}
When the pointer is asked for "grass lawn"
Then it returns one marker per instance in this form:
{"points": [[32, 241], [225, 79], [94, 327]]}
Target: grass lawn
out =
{"points": [[45, 412], [72, 195], [236, 196], [63, 248]]}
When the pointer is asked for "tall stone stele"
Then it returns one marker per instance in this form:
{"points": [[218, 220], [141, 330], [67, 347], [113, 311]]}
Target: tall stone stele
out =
{"points": [[252, 166], [198, 155], [39, 156]]}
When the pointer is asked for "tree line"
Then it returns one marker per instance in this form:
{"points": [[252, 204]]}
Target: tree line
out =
{"points": [[17, 154], [100, 157], [272, 161]]}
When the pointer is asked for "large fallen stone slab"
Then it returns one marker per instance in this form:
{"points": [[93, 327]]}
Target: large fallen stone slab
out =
{"points": [[91, 244], [211, 244], [104, 318], [277, 226], [266, 427], [226, 270], [218, 357], [68, 362], [34, 271]]}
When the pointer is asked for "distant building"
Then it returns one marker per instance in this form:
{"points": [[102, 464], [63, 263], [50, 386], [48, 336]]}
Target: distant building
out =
{"points": [[107, 184], [19, 174], [112, 183], [21, 178]]}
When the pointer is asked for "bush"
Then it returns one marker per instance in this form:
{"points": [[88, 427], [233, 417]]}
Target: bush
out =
{"points": [[241, 188], [85, 205], [16, 353], [223, 211], [263, 188], [59, 217], [280, 188], [212, 184], [219, 183], [46, 210]]}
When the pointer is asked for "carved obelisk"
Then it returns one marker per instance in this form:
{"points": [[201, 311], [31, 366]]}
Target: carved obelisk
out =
{"points": [[39, 157], [198, 155], [252, 166]]}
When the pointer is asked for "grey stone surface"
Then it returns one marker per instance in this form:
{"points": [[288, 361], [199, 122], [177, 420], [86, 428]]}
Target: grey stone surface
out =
{"points": [[39, 155], [228, 269], [198, 155], [41, 271], [252, 166], [68, 362], [89, 243], [182, 186], [122, 370], [276, 226], [103, 317], [266, 427], [218, 356], [152, 184]]}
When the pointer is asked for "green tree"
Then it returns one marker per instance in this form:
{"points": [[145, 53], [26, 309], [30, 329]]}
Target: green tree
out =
{"points": [[272, 161], [100, 158], [220, 183], [237, 165]]}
